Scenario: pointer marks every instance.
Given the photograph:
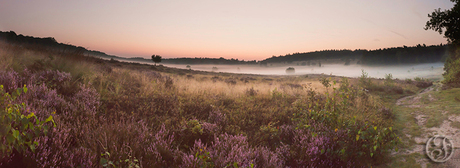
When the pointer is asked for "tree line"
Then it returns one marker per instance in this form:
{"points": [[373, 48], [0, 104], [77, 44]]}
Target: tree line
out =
{"points": [[197, 60], [46, 43], [387, 56]]}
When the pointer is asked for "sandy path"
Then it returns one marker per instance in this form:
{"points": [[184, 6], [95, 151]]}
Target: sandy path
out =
{"points": [[420, 114]]}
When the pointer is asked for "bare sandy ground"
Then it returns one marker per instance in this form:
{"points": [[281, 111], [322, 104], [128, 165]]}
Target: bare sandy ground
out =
{"points": [[421, 116]]}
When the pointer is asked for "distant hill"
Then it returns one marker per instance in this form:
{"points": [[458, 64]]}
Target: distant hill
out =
{"points": [[387, 56], [49, 43]]}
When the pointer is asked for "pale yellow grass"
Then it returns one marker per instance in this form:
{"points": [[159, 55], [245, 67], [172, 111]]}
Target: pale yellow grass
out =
{"points": [[204, 85], [196, 86]]}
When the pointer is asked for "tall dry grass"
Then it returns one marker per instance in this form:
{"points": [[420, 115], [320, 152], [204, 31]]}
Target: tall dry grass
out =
{"points": [[166, 119]]}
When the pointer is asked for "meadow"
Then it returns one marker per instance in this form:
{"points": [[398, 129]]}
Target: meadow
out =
{"points": [[106, 113]]}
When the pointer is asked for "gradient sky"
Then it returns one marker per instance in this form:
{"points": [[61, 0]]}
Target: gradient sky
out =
{"points": [[231, 29]]}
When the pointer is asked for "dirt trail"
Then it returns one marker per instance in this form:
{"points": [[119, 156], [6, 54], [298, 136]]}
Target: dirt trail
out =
{"points": [[422, 110]]}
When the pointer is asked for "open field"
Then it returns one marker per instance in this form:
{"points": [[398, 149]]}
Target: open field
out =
{"points": [[110, 112]]}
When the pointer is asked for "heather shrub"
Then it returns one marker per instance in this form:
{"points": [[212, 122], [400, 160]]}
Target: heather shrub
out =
{"points": [[264, 157], [217, 117], [226, 150], [191, 130], [10, 81], [230, 151], [61, 148], [122, 142], [162, 152], [315, 149], [44, 101]]}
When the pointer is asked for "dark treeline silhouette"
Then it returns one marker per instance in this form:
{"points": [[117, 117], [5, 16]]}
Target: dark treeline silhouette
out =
{"points": [[387, 56], [406, 55], [12, 37], [316, 55], [191, 61], [47, 43], [196, 60]]}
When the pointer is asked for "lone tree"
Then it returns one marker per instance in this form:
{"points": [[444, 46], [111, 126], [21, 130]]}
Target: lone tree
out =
{"points": [[156, 59], [448, 21]]}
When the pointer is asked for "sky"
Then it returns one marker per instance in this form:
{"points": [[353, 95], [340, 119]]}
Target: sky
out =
{"points": [[240, 29]]}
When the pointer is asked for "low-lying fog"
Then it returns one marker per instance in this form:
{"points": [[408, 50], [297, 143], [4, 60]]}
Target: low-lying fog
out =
{"points": [[427, 70]]}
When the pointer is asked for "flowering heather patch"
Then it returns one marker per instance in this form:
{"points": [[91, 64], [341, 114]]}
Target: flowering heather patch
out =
{"points": [[217, 117], [161, 151], [10, 80], [44, 101], [85, 100], [230, 150], [263, 157], [58, 147], [313, 150], [133, 116], [54, 79], [58, 150], [211, 129], [227, 150]]}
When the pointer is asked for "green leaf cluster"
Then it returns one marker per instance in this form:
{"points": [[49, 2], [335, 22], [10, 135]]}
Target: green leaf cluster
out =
{"points": [[130, 162], [18, 131]]}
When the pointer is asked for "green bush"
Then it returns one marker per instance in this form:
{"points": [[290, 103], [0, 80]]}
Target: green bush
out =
{"points": [[388, 80], [18, 131], [356, 138], [364, 80], [452, 74]]}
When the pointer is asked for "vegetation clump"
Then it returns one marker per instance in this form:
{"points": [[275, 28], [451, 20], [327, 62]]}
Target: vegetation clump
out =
{"points": [[290, 70], [156, 59], [447, 21]]}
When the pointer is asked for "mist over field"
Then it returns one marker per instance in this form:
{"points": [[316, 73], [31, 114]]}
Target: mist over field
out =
{"points": [[426, 70], [230, 84]]}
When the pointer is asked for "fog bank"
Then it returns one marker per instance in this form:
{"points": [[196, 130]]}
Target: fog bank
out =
{"points": [[426, 70]]}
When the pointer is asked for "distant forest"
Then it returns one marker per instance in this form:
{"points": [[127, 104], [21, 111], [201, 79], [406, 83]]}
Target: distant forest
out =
{"points": [[386, 56], [196, 60]]}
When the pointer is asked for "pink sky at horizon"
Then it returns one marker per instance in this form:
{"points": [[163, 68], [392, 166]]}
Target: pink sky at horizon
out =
{"points": [[249, 30]]}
